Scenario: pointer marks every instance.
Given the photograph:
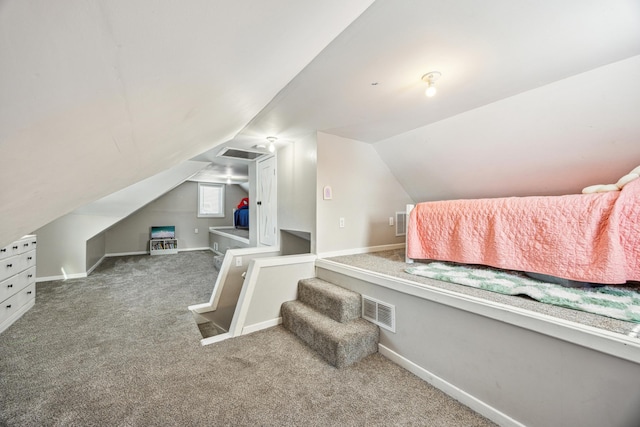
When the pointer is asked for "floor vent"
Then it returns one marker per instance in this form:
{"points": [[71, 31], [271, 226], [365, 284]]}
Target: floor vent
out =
{"points": [[401, 223], [378, 312]]}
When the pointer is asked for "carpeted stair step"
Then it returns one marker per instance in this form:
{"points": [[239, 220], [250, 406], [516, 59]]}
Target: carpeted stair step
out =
{"points": [[340, 304], [340, 344]]}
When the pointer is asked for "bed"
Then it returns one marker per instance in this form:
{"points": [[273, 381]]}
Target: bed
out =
{"points": [[241, 217], [592, 237]]}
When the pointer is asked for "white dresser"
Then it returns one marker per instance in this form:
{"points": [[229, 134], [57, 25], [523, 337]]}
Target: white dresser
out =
{"points": [[17, 280]]}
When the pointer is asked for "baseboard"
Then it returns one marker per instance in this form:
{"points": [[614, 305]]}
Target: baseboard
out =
{"points": [[260, 326], [356, 251], [206, 248], [90, 270], [460, 395], [127, 254], [61, 277], [216, 338]]}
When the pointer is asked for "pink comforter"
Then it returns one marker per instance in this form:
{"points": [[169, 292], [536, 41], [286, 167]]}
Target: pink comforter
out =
{"points": [[585, 237]]}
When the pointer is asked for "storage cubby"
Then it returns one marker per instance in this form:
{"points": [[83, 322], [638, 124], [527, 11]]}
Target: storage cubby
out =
{"points": [[163, 246]]}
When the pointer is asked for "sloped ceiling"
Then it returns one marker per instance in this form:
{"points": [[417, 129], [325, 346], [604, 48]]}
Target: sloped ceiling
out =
{"points": [[366, 85], [97, 95], [552, 117]]}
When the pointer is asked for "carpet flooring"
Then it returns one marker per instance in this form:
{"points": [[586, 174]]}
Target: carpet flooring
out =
{"points": [[120, 348]]}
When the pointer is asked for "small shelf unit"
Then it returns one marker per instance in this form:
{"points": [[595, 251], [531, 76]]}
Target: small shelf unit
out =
{"points": [[163, 246]]}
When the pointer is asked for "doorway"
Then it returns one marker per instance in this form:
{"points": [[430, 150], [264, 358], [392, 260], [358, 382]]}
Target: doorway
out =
{"points": [[267, 202]]}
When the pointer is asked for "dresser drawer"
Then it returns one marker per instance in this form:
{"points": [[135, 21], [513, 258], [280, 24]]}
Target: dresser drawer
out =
{"points": [[27, 243], [16, 282], [12, 305], [28, 259], [10, 250], [11, 266]]}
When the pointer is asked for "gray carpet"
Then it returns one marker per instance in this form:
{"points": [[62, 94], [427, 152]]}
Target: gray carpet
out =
{"points": [[120, 348]]}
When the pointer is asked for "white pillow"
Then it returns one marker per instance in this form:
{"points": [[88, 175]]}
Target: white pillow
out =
{"points": [[627, 179], [600, 188]]}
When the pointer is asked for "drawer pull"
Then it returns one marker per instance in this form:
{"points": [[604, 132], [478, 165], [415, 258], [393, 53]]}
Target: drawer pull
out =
{"points": [[3, 250], [9, 306], [9, 286], [15, 247], [9, 265], [26, 244], [29, 258], [29, 276], [33, 243], [29, 293]]}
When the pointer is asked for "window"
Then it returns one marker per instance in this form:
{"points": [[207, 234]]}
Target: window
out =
{"points": [[210, 200]]}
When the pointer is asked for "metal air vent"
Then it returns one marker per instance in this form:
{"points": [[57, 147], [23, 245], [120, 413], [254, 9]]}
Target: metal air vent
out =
{"points": [[378, 312], [240, 154]]}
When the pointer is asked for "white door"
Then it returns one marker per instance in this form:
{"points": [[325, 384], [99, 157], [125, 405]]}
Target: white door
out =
{"points": [[267, 202]]}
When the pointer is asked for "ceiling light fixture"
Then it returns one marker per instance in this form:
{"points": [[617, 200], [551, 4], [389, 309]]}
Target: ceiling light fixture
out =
{"points": [[430, 79], [272, 146]]}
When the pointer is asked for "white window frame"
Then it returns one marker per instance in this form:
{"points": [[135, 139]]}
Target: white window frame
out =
{"points": [[201, 203]]}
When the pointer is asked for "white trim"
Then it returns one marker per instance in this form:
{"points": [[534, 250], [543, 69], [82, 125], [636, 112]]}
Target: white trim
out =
{"points": [[356, 251], [408, 210], [206, 248], [224, 272], [61, 277], [216, 338], [219, 231], [90, 270], [457, 393], [127, 254], [260, 326], [251, 280], [607, 342]]}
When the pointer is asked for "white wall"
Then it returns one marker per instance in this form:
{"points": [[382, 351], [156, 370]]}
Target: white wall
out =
{"points": [[365, 194], [95, 251], [552, 140], [62, 244], [297, 186], [177, 207]]}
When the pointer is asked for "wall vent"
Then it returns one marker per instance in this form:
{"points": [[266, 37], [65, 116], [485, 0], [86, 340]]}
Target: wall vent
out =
{"points": [[240, 154], [401, 223], [378, 312]]}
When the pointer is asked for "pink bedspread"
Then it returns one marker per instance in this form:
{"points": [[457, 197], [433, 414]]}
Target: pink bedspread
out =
{"points": [[585, 237]]}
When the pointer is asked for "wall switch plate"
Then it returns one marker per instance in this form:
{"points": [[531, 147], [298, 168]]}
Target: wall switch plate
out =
{"points": [[391, 221], [239, 261], [215, 246], [341, 222]]}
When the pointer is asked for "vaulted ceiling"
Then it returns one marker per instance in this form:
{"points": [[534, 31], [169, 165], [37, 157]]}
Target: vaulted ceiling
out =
{"points": [[95, 95]]}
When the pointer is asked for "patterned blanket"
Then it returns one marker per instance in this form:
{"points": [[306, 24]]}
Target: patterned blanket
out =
{"points": [[610, 301]]}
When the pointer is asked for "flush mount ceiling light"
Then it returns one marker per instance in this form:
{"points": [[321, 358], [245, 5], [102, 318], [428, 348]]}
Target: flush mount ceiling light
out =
{"points": [[430, 79], [272, 146]]}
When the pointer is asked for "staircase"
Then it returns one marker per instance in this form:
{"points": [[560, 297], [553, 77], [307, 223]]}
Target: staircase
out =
{"points": [[327, 318]]}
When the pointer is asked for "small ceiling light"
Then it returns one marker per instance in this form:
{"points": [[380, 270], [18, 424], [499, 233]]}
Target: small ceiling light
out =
{"points": [[228, 180], [272, 146], [430, 79]]}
